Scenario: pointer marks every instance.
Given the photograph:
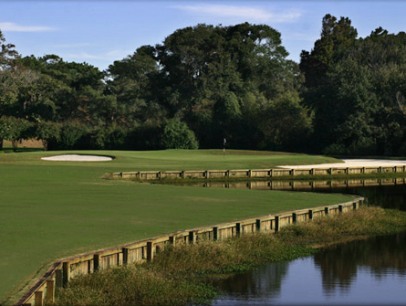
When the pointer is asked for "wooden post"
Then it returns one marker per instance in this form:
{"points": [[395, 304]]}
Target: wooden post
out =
{"points": [[150, 251], [207, 174], [340, 209], [326, 211], [238, 229], [50, 293], [65, 274], [355, 205], [276, 224], [215, 233], [258, 225], [96, 262], [39, 301], [192, 237], [172, 240], [310, 214], [125, 256], [294, 218]]}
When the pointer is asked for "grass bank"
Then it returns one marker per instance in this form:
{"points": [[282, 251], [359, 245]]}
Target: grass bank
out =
{"points": [[183, 275], [51, 210]]}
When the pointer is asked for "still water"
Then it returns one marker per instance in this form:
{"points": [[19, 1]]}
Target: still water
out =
{"points": [[371, 272]]}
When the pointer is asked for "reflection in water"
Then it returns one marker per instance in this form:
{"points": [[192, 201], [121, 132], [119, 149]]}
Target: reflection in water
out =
{"points": [[386, 196], [361, 272], [372, 271], [387, 193], [383, 196], [261, 283], [379, 255]]}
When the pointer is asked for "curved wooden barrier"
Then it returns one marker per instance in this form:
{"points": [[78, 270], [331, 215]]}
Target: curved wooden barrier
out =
{"points": [[63, 270], [254, 173]]}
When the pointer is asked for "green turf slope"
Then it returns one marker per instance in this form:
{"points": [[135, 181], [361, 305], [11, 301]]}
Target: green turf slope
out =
{"points": [[54, 209]]}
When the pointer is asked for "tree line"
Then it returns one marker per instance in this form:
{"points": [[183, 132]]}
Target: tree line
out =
{"points": [[206, 84]]}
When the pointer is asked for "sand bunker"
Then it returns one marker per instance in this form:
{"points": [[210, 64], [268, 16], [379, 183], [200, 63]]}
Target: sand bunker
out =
{"points": [[353, 163], [77, 158]]}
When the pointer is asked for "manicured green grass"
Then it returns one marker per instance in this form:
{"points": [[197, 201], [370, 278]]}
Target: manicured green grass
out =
{"points": [[184, 273], [55, 209], [181, 159]]}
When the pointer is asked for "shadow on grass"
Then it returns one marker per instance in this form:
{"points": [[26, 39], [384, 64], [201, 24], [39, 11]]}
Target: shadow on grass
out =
{"points": [[21, 150]]}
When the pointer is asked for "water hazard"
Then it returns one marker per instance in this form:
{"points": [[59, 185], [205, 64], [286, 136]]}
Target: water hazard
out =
{"points": [[371, 272], [387, 193]]}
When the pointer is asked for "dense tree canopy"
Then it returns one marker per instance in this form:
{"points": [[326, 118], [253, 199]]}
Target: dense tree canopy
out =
{"points": [[206, 83], [354, 87], [8, 89], [217, 80]]}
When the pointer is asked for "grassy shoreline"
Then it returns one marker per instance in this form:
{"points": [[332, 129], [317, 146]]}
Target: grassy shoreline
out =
{"points": [[183, 275]]}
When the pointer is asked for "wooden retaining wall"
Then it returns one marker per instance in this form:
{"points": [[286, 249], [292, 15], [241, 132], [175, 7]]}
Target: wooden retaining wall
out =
{"points": [[63, 270], [254, 173], [299, 184]]}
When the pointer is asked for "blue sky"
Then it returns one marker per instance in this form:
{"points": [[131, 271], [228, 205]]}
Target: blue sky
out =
{"points": [[100, 32]]}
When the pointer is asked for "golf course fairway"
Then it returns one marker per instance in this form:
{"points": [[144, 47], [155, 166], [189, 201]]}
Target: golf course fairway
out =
{"points": [[52, 209]]}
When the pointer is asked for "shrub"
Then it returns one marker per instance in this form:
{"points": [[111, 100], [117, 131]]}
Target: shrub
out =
{"points": [[177, 135], [144, 138], [70, 134], [133, 286], [115, 139]]}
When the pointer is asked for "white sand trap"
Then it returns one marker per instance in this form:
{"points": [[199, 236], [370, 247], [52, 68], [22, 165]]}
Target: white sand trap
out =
{"points": [[353, 163], [77, 158]]}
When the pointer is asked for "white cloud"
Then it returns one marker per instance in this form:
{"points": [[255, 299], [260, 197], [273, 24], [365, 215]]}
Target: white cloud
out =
{"points": [[108, 55], [250, 13], [98, 59], [82, 56], [14, 27]]}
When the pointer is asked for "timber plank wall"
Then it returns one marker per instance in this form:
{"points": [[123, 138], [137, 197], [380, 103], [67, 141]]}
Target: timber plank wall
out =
{"points": [[63, 270], [254, 173], [303, 185]]}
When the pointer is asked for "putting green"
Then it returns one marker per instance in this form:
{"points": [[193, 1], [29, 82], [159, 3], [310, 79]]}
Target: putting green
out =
{"points": [[55, 209]]}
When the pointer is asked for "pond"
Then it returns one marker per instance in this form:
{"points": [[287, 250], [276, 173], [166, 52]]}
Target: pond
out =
{"points": [[369, 272]]}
